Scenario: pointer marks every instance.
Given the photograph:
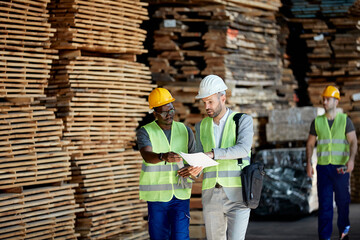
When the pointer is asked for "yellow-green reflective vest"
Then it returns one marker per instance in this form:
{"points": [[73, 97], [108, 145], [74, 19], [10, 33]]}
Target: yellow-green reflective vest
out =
{"points": [[227, 172], [332, 145], [158, 182]]}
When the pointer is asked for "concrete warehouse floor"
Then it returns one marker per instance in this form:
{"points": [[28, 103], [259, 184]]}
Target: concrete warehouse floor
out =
{"points": [[302, 229]]}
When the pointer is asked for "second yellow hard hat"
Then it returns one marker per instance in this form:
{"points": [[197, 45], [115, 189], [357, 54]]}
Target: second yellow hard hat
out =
{"points": [[331, 91]]}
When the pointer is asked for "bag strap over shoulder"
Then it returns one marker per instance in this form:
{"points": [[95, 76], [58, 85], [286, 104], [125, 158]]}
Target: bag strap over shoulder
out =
{"points": [[236, 118]]}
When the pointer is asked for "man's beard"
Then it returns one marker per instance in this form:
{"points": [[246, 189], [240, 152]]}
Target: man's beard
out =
{"points": [[216, 111]]}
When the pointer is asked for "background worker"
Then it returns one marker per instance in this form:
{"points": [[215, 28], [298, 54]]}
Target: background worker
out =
{"points": [[159, 142], [336, 148], [225, 214]]}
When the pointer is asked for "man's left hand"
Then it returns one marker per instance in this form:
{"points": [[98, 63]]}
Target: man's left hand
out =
{"points": [[190, 171]]}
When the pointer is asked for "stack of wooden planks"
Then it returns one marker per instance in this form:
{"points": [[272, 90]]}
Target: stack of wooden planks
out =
{"points": [[237, 40], [35, 201], [39, 213], [98, 25], [109, 185], [100, 92], [333, 55], [315, 9], [25, 54], [291, 124], [100, 101], [31, 150]]}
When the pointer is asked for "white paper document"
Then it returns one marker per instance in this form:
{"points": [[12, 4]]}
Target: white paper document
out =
{"points": [[198, 159]]}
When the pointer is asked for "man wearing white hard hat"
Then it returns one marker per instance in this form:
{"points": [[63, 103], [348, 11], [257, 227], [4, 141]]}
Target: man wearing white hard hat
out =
{"points": [[225, 214]]}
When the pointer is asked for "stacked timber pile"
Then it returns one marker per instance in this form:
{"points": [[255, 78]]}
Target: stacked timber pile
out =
{"points": [[25, 54], [39, 213], [291, 124], [35, 201], [238, 42], [101, 26], [333, 56], [99, 92], [31, 150]]}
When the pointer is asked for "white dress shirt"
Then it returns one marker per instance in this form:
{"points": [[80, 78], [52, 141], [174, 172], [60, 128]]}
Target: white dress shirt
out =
{"points": [[218, 129]]}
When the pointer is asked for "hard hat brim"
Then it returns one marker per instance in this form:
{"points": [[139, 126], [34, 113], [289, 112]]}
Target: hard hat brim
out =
{"points": [[199, 96], [164, 103]]}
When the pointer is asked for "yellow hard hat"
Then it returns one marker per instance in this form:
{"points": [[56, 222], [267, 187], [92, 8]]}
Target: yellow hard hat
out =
{"points": [[159, 97], [331, 91]]}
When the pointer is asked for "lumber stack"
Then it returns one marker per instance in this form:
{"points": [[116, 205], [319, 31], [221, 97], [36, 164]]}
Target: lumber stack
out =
{"points": [[34, 198], [101, 110], [101, 26], [25, 55], [99, 100], [332, 57], [331, 47], [314, 9], [333, 54], [291, 124], [39, 213], [237, 41], [100, 92], [31, 150]]}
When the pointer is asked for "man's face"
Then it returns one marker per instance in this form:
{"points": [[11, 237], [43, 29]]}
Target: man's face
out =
{"points": [[165, 114], [214, 104], [329, 103]]}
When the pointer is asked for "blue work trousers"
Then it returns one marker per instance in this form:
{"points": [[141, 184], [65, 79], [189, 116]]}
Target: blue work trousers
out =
{"points": [[328, 182], [169, 220]]}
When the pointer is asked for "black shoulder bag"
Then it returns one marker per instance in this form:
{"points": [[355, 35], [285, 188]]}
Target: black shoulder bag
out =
{"points": [[251, 176]]}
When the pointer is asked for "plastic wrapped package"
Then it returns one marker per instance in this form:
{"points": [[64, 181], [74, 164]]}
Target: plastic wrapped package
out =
{"points": [[287, 189]]}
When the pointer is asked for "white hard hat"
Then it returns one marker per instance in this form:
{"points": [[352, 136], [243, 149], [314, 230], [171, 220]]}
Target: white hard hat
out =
{"points": [[210, 85]]}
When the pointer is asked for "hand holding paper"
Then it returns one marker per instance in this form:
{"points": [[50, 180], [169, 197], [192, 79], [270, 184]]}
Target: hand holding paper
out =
{"points": [[198, 159]]}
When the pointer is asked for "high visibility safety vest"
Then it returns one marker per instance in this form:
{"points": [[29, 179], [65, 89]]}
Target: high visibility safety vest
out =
{"points": [[158, 182], [332, 145], [227, 172]]}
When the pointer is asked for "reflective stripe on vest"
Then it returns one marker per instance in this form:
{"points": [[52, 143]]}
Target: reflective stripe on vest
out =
{"points": [[158, 182], [227, 173], [332, 145]]}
